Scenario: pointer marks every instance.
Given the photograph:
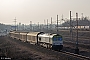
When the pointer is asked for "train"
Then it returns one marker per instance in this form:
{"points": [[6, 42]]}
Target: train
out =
{"points": [[48, 40]]}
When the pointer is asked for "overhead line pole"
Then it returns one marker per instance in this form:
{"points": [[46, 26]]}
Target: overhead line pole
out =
{"points": [[44, 28], [15, 23], [77, 30], [70, 24], [30, 25], [77, 50], [47, 24], [71, 27], [57, 24], [38, 26], [51, 25], [62, 20], [82, 16]]}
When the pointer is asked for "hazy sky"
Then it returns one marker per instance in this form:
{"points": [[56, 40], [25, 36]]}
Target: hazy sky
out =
{"points": [[38, 10]]}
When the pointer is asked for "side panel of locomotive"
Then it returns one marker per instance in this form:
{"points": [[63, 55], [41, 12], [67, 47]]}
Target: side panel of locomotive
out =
{"points": [[44, 40]]}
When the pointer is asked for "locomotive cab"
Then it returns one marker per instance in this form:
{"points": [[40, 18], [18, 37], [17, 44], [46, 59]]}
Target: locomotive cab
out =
{"points": [[57, 42]]}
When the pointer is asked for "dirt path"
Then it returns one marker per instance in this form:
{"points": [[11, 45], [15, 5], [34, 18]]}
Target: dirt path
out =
{"points": [[17, 50]]}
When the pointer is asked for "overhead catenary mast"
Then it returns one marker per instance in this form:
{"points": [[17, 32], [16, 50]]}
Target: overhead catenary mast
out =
{"points": [[47, 24], [15, 23], [71, 27], [82, 16], [44, 25], [30, 25], [61, 19], [62, 16], [38, 26], [70, 24], [57, 24], [77, 50], [51, 25]]}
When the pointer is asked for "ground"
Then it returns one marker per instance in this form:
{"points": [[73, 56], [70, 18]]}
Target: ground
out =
{"points": [[18, 50]]}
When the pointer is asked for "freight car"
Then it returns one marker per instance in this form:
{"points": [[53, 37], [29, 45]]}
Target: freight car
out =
{"points": [[23, 36], [32, 37], [53, 41], [12, 34]]}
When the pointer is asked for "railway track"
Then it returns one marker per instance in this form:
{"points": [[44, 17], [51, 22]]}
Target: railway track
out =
{"points": [[83, 49], [68, 55], [76, 55], [71, 55], [87, 46], [81, 39]]}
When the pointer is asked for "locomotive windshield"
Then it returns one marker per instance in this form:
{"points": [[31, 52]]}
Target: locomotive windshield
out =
{"points": [[57, 40]]}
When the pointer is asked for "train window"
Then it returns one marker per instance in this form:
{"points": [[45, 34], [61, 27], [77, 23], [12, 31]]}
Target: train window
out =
{"points": [[39, 38]]}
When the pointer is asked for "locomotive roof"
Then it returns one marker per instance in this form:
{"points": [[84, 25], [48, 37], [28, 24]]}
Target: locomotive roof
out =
{"points": [[24, 33], [47, 35]]}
